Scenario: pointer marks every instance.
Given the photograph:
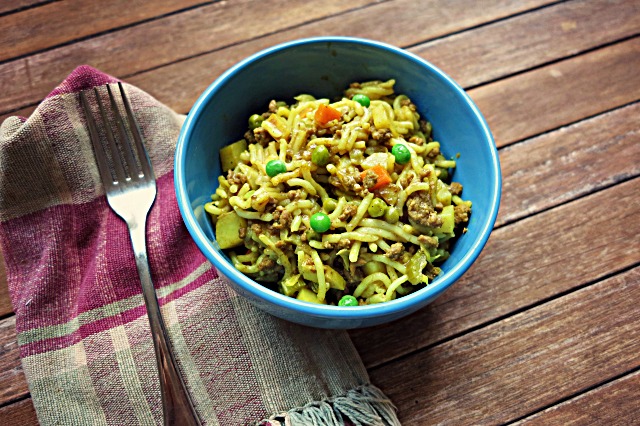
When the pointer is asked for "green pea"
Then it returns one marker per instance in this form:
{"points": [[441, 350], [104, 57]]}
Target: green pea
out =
{"points": [[275, 167], [401, 153], [348, 300], [329, 204], [362, 99], [320, 155], [320, 222], [442, 174], [392, 215], [255, 121], [377, 207]]}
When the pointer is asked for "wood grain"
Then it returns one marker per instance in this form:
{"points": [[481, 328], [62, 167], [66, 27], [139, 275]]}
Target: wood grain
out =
{"points": [[586, 156], [522, 264], [20, 413], [561, 93], [549, 311], [501, 282], [516, 107], [22, 33], [207, 29], [523, 363], [612, 404], [526, 41], [557, 167], [158, 42], [13, 6], [13, 384]]}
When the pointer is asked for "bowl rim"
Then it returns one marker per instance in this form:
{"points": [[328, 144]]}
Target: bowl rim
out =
{"points": [[410, 302]]}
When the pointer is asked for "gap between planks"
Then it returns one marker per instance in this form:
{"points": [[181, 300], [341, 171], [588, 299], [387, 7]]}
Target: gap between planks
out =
{"points": [[514, 292], [600, 149], [149, 46], [16, 6], [524, 363], [601, 404], [522, 264], [77, 20]]}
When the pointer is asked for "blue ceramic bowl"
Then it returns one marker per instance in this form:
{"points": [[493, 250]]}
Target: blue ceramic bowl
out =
{"points": [[324, 67]]}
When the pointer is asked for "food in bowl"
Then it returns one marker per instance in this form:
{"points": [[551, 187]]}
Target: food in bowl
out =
{"points": [[344, 203]]}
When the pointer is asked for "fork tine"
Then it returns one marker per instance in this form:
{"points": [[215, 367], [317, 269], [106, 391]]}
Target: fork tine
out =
{"points": [[101, 159], [125, 141], [145, 163], [115, 152]]}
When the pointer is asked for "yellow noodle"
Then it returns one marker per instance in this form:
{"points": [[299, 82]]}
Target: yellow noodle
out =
{"points": [[283, 177], [394, 285], [212, 209], [383, 245], [300, 204], [355, 251], [306, 173], [391, 272], [322, 285], [397, 230], [316, 244], [221, 192], [422, 186], [356, 236], [295, 223], [303, 183], [245, 188], [339, 208], [282, 258], [383, 233], [377, 276], [362, 209], [283, 149], [241, 203], [398, 266]]}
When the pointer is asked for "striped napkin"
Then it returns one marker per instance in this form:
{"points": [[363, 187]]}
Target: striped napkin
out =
{"points": [[80, 318]]}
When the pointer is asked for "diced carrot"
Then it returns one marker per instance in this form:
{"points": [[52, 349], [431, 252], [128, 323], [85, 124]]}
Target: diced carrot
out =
{"points": [[326, 113], [382, 175]]}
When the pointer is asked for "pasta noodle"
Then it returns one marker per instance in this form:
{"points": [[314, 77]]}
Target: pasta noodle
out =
{"points": [[335, 199]]}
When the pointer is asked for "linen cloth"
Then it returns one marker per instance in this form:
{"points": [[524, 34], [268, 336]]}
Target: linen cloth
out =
{"points": [[81, 323]]}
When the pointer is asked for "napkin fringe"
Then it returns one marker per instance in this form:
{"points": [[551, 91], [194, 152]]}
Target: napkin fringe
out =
{"points": [[365, 405]]}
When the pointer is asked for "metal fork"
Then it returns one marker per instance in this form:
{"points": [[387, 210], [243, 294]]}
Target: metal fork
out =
{"points": [[130, 187]]}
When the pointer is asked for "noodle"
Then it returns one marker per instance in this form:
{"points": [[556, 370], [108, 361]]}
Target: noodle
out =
{"points": [[373, 169]]}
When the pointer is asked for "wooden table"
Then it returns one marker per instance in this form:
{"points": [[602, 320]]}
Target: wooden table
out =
{"points": [[545, 327]]}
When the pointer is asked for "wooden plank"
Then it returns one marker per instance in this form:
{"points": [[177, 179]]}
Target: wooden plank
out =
{"points": [[528, 261], [525, 41], [516, 108], [13, 384], [155, 44], [557, 167], [22, 33], [552, 96], [523, 363], [13, 6], [19, 413], [612, 404], [158, 42]]}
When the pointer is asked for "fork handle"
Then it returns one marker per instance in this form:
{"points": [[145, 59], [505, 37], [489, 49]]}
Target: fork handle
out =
{"points": [[177, 406]]}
